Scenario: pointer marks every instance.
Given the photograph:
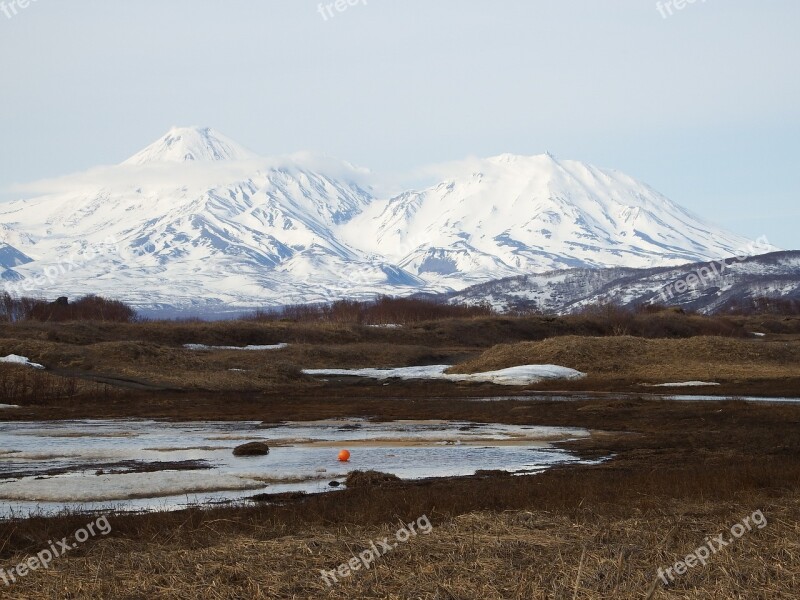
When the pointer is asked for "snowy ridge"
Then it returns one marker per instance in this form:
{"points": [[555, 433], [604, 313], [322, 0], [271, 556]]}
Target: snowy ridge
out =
{"points": [[518, 214], [196, 222], [708, 287]]}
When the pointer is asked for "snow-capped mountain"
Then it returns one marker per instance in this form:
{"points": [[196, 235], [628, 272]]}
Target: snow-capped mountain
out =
{"points": [[221, 228], [520, 214], [707, 287], [196, 221], [191, 144]]}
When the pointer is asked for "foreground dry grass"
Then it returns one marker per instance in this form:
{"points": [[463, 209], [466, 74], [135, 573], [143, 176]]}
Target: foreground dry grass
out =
{"points": [[520, 554]]}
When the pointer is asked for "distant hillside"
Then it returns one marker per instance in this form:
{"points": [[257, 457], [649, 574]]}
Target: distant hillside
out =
{"points": [[707, 287]]}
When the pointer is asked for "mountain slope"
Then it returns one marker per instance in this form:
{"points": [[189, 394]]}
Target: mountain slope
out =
{"points": [[225, 231], [517, 214], [10, 257], [706, 287]]}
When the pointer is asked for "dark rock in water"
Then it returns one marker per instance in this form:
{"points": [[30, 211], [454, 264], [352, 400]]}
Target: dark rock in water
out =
{"points": [[358, 479], [334, 484], [252, 449], [492, 473]]}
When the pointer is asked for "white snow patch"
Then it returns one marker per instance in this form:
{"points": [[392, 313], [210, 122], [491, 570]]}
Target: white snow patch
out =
{"points": [[15, 359], [386, 326], [8, 406], [202, 347], [69, 488], [522, 375], [757, 334], [684, 384]]}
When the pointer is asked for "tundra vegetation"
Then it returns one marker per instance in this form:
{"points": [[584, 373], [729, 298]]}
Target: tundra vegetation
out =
{"points": [[673, 472]]}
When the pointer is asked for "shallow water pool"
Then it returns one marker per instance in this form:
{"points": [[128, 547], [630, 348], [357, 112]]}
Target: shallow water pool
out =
{"points": [[130, 465]]}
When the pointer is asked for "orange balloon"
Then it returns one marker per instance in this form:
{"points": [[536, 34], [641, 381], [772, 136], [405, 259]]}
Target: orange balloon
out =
{"points": [[344, 455]]}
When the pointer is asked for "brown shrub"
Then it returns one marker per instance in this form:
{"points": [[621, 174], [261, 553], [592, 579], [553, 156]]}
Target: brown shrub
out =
{"points": [[23, 385], [366, 479], [384, 310], [88, 308]]}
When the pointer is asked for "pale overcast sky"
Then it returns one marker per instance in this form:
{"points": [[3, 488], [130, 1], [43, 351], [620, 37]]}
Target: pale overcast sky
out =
{"points": [[703, 104]]}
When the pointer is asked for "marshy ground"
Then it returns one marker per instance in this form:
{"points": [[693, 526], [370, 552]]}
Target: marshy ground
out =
{"points": [[677, 472]]}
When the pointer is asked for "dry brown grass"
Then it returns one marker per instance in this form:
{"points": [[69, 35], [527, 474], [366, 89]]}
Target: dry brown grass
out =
{"points": [[473, 332], [507, 556], [151, 356], [231, 370], [650, 360], [24, 385]]}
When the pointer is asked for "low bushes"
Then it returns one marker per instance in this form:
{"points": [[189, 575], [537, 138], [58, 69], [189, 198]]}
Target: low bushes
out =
{"points": [[88, 308], [21, 385]]}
